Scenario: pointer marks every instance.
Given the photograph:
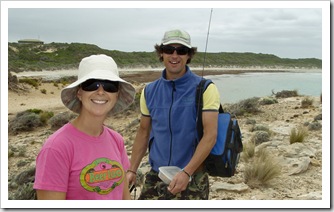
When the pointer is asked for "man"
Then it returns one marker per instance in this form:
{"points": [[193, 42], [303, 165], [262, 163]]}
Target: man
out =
{"points": [[168, 125]]}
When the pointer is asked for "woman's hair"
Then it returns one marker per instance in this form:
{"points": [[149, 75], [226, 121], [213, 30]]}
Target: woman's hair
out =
{"points": [[158, 50]]}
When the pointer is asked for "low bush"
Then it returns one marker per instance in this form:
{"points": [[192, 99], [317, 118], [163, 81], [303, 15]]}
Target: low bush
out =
{"points": [[268, 101], [45, 116], [298, 135], [24, 183], [262, 170], [306, 102], [30, 81], [66, 80], [43, 91], [247, 106], [286, 94], [260, 137], [61, 119], [36, 111], [26, 121]]}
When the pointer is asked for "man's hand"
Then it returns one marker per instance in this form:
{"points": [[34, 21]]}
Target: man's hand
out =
{"points": [[179, 183], [132, 177]]}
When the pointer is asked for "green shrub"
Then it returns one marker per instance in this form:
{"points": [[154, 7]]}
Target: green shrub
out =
{"points": [[45, 116], [36, 111], [61, 119], [68, 56], [268, 101], [33, 82], [298, 135], [25, 182], [43, 91], [260, 137], [247, 106], [286, 94], [10, 153], [25, 192], [307, 102], [66, 80], [26, 121], [262, 170]]}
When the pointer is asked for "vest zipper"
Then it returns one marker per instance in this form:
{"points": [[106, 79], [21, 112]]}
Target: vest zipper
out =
{"points": [[170, 123]]}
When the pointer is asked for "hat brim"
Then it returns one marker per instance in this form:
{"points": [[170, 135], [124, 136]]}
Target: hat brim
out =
{"points": [[177, 42], [125, 96]]}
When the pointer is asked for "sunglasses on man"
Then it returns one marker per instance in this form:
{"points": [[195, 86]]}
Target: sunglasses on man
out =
{"points": [[94, 84], [181, 50]]}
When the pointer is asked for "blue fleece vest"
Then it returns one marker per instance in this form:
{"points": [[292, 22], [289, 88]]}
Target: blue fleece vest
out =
{"points": [[171, 104]]}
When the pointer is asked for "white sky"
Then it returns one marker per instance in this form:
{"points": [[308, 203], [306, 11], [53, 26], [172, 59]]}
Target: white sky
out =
{"points": [[287, 31]]}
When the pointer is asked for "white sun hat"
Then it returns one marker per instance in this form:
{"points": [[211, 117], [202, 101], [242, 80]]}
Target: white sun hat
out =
{"points": [[100, 67]]}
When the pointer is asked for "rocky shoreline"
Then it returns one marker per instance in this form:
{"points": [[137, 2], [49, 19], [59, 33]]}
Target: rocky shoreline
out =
{"points": [[301, 177]]}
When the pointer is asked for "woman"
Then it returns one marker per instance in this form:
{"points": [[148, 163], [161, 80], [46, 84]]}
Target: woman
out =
{"points": [[84, 159]]}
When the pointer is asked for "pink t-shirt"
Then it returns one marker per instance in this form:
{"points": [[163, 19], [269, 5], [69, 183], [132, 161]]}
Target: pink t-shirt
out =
{"points": [[83, 166]]}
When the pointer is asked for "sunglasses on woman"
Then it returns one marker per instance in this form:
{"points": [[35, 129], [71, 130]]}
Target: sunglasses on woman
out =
{"points": [[94, 84], [181, 50]]}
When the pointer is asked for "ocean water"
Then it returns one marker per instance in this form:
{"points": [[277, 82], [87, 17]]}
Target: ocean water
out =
{"points": [[236, 87], [233, 88]]}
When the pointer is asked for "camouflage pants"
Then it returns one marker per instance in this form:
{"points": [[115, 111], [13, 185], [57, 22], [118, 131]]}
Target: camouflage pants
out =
{"points": [[155, 189]]}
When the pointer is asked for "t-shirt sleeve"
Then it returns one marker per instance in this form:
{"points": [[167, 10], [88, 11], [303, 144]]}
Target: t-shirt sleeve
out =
{"points": [[211, 98], [52, 171], [143, 107]]}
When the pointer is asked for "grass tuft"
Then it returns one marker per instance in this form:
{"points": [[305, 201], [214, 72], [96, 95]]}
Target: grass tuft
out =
{"points": [[298, 135], [263, 169], [307, 102], [248, 151]]}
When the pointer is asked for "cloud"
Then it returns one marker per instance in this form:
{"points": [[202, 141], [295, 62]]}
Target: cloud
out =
{"points": [[285, 32]]}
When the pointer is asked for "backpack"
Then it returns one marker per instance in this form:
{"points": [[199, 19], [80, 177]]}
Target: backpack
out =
{"points": [[224, 156]]}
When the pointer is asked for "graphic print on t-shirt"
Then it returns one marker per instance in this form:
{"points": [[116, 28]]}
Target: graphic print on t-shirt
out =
{"points": [[102, 176]]}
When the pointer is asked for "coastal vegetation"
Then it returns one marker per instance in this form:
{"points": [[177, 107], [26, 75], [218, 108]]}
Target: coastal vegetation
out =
{"points": [[272, 134], [262, 170], [56, 56], [298, 135]]}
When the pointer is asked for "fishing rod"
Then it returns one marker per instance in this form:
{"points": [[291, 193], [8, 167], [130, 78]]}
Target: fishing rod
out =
{"points": [[206, 43], [199, 88]]}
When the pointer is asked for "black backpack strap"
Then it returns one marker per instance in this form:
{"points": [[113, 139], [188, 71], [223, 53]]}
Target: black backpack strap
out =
{"points": [[199, 105], [221, 110]]}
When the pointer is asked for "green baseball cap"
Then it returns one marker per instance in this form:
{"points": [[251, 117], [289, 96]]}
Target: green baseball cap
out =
{"points": [[176, 36]]}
